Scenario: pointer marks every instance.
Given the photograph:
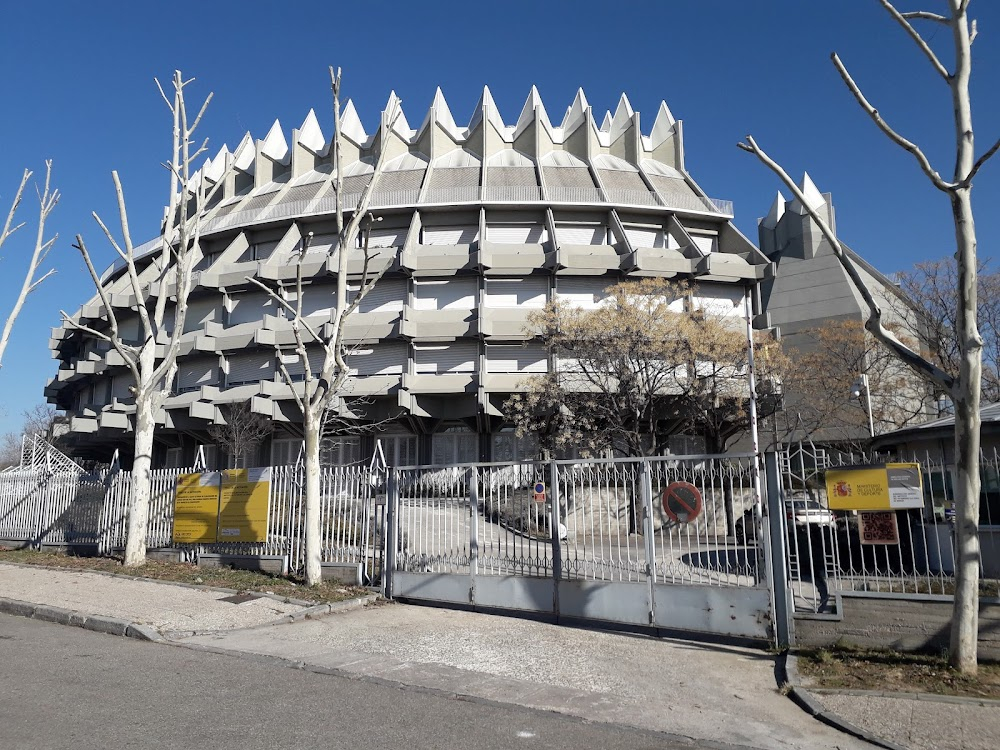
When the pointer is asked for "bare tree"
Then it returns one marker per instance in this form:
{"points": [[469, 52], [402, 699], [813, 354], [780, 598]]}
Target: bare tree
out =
{"points": [[48, 197], [323, 390], [153, 373], [933, 288], [964, 387], [820, 377], [38, 420], [242, 433], [636, 371]]}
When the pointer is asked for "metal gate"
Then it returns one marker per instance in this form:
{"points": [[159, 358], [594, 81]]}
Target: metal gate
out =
{"points": [[585, 540]]}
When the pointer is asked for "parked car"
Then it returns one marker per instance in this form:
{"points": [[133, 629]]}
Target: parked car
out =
{"points": [[801, 513]]}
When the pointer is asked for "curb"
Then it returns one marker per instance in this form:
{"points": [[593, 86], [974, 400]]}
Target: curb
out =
{"points": [[73, 618], [788, 674]]}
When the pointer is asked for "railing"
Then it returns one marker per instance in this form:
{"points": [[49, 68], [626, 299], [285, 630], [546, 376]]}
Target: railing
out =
{"points": [[609, 524], [40, 507], [825, 552]]}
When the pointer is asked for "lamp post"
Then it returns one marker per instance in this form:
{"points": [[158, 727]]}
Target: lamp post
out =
{"points": [[861, 386]]}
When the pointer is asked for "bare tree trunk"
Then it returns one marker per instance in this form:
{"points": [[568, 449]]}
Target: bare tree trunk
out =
{"points": [[313, 569], [138, 514], [963, 653]]}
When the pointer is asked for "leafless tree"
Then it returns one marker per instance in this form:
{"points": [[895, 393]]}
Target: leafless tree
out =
{"points": [[37, 420], [242, 433], [179, 249], [323, 390], [48, 197], [964, 386]]}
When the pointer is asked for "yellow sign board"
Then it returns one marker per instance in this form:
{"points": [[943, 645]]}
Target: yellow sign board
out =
{"points": [[196, 508], [243, 505], [875, 487]]}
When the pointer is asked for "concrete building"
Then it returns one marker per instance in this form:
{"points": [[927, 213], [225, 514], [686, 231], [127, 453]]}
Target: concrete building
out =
{"points": [[479, 225], [810, 289]]}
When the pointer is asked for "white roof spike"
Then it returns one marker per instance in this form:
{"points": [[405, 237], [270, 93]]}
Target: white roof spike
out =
{"points": [[442, 113], [244, 155], [532, 105], [777, 211], [350, 124], [487, 107], [663, 126], [622, 118], [311, 135], [214, 168], [394, 109], [274, 144], [576, 112], [606, 123], [814, 198]]}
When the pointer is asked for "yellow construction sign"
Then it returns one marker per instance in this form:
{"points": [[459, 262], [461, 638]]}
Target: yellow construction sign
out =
{"points": [[243, 505], [196, 508], [875, 487]]}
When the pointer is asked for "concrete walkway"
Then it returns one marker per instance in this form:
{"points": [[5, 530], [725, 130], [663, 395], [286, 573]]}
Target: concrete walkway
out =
{"points": [[724, 694]]}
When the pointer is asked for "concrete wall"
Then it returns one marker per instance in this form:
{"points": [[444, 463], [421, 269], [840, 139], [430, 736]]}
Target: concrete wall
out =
{"points": [[892, 621]]}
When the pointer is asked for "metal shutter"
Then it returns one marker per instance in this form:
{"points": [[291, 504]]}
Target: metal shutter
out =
{"points": [[251, 308], [517, 234], [317, 300], [297, 369], [720, 299], [532, 291], [458, 357], [450, 235], [323, 243], [454, 294], [192, 374], [644, 236], [251, 368], [531, 358], [386, 237], [581, 234], [583, 291], [199, 312], [707, 244], [388, 295], [382, 359], [128, 329], [120, 385]]}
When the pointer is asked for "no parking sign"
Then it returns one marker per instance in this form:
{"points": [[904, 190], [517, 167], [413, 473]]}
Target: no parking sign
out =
{"points": [[681, 501]]}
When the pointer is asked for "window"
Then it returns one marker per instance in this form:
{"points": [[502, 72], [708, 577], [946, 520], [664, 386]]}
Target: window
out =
{"points": [[340, 451], [456, 445], [173, 458], [508, 447], [285, 451], [399, 450]]}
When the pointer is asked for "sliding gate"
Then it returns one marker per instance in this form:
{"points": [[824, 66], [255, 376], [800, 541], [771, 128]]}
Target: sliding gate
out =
{"points": [[587, 540]]}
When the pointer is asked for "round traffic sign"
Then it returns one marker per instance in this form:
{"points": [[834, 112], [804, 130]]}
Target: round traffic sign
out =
{"points": [[681, 501]]}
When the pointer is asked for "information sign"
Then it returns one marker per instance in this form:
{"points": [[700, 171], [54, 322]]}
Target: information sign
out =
{"points": [[196, 508], [875, 487], [243, 505], [878, 527], [539, 493]]}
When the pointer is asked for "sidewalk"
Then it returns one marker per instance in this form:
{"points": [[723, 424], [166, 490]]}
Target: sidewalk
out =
{"points": [[725, 694]]}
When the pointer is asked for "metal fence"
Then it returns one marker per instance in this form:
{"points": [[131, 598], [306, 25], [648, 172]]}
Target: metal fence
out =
{"points": [[598, 520], [39, 507], [825, 552]]}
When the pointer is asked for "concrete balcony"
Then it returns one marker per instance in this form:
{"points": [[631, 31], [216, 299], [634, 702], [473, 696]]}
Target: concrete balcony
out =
{"points": [[728, 267], [439, 325], [657, 262], [439, 260], [500, 259], [586, 260], [372, 327], [506, 382], [450, 382], [505, 323], [373, 385]]}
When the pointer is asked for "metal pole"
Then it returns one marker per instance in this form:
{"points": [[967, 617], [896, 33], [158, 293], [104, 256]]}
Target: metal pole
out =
{"points": [[646, 491], [391, 535], [775, 553], [556, 541], [868, 403], [752, 384]]}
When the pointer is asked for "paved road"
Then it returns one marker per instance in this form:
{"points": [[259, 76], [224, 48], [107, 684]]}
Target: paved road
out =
{"points": [[68, 688]]}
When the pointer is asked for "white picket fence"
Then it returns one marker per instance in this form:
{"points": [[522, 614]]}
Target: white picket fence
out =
{"points": [[39, 507]]}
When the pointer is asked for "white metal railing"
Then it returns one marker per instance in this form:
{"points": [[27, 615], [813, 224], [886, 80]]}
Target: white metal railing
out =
{"points": [[41, 507]]}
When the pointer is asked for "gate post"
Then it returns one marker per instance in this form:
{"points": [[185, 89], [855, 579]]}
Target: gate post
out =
{"points": [[554, 535], [649, 540], [775, 545], [472, 482], [391, 535]]}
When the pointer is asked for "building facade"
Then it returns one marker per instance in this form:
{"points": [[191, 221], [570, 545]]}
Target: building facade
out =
{"points": [[478, 226]]}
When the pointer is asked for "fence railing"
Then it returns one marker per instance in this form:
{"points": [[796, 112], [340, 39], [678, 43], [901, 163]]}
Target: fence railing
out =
{"points": [[39, 507], [825, 551], [599, 520]]}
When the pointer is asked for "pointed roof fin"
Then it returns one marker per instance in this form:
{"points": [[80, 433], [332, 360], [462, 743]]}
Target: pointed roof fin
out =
{"points": [[244, 156], [663, 125], [777, 211], [622, 118], [532, 107], [576, 112], [311, 135], [274, 144], [350, 123], [814, 198]]}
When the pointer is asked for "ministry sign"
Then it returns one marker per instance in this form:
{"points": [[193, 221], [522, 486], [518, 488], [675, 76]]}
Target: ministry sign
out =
{"points": [[875, 487]]}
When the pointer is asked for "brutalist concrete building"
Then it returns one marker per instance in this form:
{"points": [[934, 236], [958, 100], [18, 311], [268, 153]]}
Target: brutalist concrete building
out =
{"points": [[478, 225]]}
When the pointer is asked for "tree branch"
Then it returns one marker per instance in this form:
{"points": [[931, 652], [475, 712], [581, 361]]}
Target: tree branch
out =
{"points": [[980, 162], [874, 322], [926, 16], [895, 137], [919, 40]]}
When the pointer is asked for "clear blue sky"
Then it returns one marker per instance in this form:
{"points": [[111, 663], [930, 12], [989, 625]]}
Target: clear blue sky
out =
{"points": [[78, 88]]}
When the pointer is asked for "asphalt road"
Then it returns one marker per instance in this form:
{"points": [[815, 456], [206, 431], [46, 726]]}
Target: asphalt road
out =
{"points": [[63, 687]]}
